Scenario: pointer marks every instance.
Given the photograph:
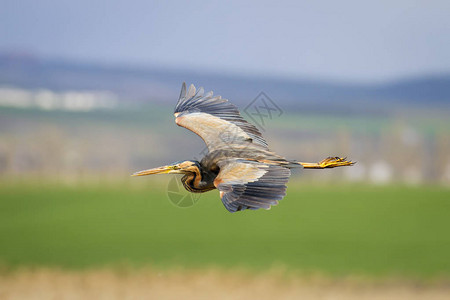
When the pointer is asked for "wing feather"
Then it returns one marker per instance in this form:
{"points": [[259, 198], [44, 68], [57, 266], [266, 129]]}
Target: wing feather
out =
{"points": [[214, 119], [251, 185]]}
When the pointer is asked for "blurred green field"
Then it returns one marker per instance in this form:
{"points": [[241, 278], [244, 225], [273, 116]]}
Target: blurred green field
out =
{"points": [[337, 230]]}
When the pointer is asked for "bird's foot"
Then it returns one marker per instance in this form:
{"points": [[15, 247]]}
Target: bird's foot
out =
{"points": [[332, 162]]}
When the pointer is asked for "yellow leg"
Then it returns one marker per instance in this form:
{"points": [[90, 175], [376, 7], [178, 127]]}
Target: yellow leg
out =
{"points": [[329, 162]]}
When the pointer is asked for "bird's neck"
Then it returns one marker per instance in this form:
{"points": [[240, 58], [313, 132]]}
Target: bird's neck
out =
{"points": [[198, 182]]}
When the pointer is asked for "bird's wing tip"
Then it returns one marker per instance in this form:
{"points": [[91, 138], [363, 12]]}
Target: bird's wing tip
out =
{"points": [[183, 90]]}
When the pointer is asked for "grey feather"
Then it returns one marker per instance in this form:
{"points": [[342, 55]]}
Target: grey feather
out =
{"points": [[192, 101]]}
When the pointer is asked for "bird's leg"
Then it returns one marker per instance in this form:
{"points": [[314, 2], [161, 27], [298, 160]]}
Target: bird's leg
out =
{"points": [[329, 162]]}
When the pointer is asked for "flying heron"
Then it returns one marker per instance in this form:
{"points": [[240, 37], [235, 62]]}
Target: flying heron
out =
{"points": [[238, 163]]}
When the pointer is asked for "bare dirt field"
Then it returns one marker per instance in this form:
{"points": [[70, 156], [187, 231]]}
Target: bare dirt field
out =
{"points": [[203, 284]]}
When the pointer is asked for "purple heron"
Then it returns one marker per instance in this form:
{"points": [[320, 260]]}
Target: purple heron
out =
{"points": [[238, 163]]}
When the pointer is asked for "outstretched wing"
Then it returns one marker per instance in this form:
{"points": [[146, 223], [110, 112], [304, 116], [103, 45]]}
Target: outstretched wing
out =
{"points": [[215, 120], [251, 185]]}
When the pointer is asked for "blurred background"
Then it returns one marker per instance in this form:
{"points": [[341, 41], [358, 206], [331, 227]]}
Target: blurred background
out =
{"points": [[87, 91]]}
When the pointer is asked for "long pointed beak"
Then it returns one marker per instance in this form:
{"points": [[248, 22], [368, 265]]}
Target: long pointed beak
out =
{"points": [[160, 170]]}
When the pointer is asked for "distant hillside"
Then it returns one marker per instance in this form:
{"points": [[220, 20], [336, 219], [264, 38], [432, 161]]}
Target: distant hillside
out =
{"points": [[162, 85]]}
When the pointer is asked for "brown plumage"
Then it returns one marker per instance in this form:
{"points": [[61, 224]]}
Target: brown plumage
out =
{"points": [[239, 163]]}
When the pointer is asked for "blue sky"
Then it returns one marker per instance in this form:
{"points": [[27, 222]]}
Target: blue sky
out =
{"points": [[339, 40]]}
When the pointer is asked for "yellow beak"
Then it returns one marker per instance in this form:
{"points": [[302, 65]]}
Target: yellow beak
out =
{"points": [[160, 170]]}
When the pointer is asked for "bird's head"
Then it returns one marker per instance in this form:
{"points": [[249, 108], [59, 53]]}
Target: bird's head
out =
{"points": [[179, 167]]}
